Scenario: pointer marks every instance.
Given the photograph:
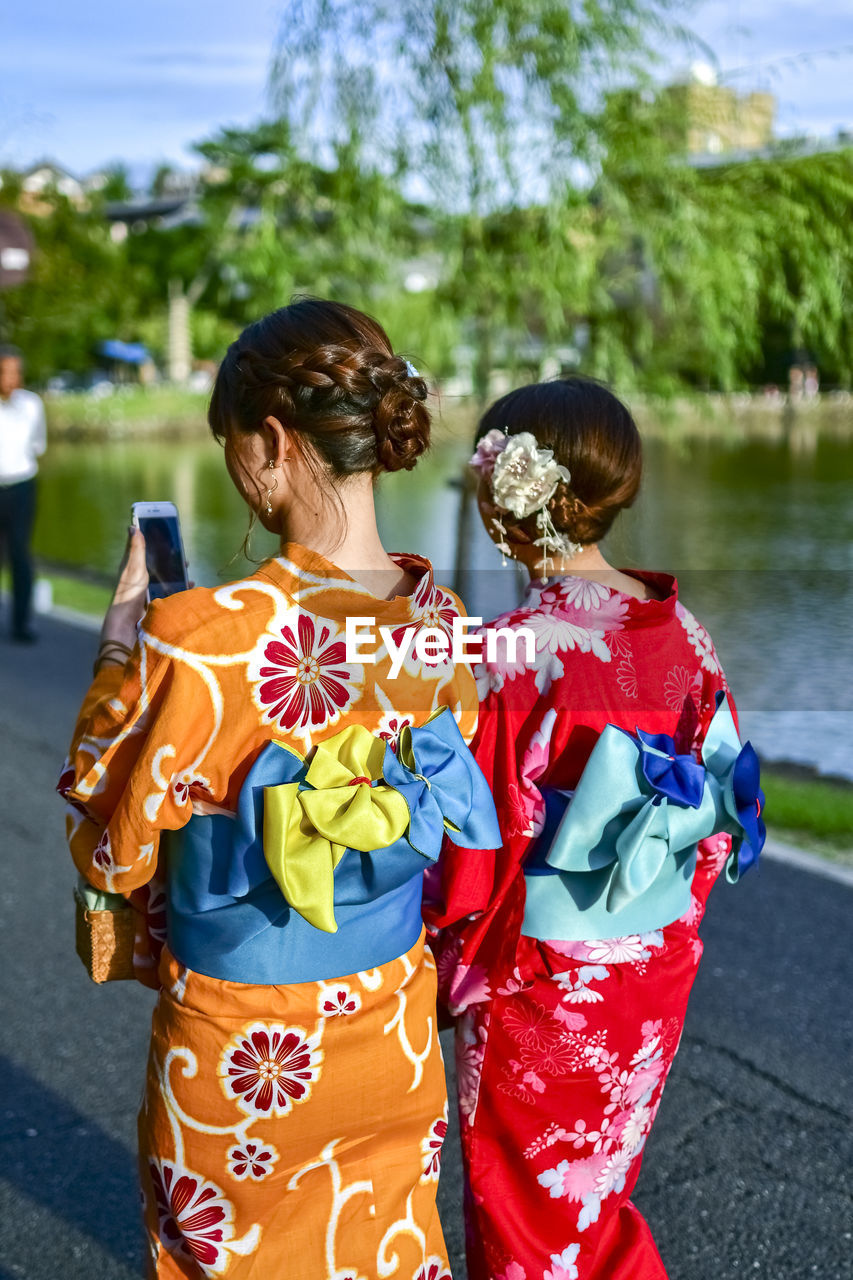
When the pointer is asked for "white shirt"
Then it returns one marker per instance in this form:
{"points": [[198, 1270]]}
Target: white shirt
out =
{"points": [[23, 436]]}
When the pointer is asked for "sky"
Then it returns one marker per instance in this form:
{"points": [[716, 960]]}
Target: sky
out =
{"points": [[96, 81]]}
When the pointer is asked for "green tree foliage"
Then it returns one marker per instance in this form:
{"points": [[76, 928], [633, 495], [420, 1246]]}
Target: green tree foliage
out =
{"points": [[713, 276], [81, 288], [491, 107], [282, 223], [494, 180]]}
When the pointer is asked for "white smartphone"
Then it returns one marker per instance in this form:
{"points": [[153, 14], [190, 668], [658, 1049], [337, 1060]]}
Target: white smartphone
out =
{"points": [[164, 547]]}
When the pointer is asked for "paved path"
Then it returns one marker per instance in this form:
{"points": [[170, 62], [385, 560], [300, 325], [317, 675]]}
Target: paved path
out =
{"points": [[748, 1169]]}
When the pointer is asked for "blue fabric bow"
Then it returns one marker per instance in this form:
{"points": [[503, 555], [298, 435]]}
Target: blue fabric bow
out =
{"points": [[444, 788], [433, 770], [678, 777], [738, 771], [624, 843]]}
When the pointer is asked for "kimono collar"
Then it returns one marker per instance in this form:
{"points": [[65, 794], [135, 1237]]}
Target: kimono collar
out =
{"points": [[561, 593], [299, 570]]}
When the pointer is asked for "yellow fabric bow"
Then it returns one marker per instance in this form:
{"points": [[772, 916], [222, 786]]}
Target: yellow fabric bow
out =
{"points": [[306, 833]]}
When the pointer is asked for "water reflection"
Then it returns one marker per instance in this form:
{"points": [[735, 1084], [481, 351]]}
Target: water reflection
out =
{"points": [[760, 533]]}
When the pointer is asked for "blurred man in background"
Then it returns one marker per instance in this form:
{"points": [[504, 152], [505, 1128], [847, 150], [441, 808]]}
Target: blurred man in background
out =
{"points": [[23, 440]]}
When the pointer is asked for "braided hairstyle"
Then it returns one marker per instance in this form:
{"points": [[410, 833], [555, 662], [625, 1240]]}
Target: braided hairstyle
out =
{"points": [[593, 434], [328, 373]]}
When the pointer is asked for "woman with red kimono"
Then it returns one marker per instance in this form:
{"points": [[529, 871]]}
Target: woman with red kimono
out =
{"points": [[568, 954]]}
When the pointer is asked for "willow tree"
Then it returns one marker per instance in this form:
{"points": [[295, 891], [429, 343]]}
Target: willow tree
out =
{"points": [[700, 269], [490, 111]]}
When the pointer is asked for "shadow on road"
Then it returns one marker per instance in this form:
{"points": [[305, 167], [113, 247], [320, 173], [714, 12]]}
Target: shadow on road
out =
{"points": [[63, 1161]]}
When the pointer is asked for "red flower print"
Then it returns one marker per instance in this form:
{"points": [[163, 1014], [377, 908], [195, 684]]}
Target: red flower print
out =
{"points": [[677, 687], [520, 812], [301, 680], [336, 999], [553, 1059], [391, 727], [194, 1218], [155, 909], [64, 785], [431, 1148], [104, 864], [269, 1067], [102, 855], [433, 1269], [530, 1024], [626, 676], [252, 1160], [429, 608], [181, 790]]}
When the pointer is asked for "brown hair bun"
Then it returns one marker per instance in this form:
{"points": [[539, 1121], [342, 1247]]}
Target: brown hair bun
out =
{"points": [[329, 374], [401, 421], [592, 433]]}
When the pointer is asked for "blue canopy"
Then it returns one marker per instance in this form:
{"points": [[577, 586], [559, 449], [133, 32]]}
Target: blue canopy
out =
{"points": [[126, 352]]}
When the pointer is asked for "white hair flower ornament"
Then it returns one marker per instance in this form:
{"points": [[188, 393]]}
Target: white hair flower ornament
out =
{"points": [[523, 479]]}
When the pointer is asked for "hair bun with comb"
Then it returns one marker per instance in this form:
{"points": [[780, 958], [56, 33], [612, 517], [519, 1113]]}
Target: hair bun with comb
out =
{"points": [[330, 375], [400, 419]]}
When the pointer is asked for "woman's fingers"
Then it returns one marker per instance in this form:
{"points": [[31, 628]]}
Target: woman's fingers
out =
{"points": [[130, 597], [133, 573]]}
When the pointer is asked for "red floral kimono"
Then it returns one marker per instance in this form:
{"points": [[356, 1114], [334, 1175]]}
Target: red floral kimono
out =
{"points": [[563, 1048]]}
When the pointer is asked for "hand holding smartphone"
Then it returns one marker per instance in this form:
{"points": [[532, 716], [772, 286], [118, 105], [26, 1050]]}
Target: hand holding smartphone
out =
{"points": [[164, 548]]}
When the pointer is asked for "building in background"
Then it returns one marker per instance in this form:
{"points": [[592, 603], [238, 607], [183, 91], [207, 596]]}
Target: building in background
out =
{"points": [[707, 118]]}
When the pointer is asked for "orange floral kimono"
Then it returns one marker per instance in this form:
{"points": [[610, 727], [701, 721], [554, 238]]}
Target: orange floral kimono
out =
{"points": [[268, 807]]}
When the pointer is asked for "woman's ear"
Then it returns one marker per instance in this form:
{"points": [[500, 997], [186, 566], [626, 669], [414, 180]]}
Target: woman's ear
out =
{"points": [[277, 441]]}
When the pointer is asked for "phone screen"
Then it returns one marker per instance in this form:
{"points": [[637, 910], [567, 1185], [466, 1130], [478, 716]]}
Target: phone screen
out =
{"points": [[164, 556]]}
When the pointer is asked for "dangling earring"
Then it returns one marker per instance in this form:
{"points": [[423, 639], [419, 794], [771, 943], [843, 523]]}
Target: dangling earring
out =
{"points": [[502, 545], [271, 490]]}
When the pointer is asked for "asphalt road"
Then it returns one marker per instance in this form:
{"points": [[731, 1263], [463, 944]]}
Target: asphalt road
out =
{"points": [[747, 1173]]}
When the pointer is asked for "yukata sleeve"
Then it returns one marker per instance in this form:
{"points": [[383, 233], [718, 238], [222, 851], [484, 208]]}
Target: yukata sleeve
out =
{"points": [[122, 779], [471, 882], [478, 906]]}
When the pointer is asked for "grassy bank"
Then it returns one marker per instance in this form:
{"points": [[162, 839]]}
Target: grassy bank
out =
{"points": [[811, 812], [89, 598], [128, 411], [172, 411]]}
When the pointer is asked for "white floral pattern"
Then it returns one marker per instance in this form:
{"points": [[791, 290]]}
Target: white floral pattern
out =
{"points": [[252, 1159], [268, 1068], [299, 674], [563, 1264], [699, 639], [431, 1148], [336, 999]]}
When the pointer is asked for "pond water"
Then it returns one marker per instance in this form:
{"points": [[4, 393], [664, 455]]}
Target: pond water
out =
{"points": [[759, 531]]}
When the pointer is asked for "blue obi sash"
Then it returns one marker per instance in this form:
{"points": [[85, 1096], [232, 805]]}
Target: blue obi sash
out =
{"points": [[284, 892], [617, 855]]}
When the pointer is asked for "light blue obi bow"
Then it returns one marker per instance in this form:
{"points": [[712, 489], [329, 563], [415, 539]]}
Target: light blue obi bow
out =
{"points": [[617, 855]]}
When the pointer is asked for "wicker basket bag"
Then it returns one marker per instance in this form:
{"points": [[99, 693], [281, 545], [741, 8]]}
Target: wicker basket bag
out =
{"points": [[105, 929]]}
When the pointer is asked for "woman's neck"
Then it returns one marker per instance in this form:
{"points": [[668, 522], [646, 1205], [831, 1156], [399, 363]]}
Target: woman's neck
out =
{"points": [[347, 536], [590, 563]]}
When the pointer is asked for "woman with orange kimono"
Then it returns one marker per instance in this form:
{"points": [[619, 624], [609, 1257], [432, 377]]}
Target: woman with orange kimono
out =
{"points": [[268, 805]]}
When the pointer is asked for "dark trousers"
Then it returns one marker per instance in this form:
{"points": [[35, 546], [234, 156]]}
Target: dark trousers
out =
{"points": [[17, 514]]}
